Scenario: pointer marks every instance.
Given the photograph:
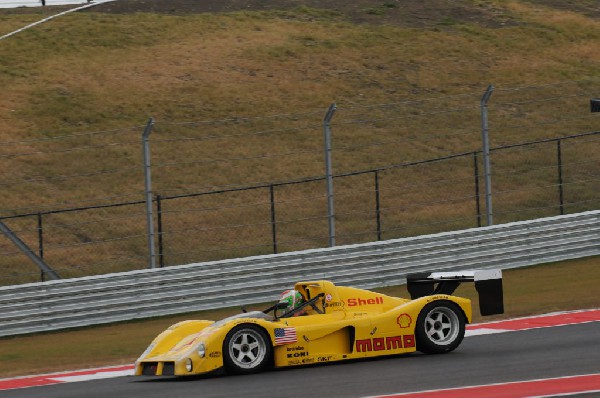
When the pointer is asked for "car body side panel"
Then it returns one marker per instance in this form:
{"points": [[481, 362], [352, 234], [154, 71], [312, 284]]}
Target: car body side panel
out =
{"points": [[354, 323], [394, 330], [332, 347]]}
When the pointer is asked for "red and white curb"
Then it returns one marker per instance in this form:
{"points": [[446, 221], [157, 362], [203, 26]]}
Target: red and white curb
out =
{"points": [[559, 386], [66, 377], [511, 325], [534, 322]]}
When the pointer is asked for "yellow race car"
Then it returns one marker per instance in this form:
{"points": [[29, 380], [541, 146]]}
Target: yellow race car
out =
{"points": [[333, 323]]}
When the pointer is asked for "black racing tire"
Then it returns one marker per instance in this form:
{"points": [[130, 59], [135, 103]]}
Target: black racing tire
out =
{"points": [[247, 349], [440, 327]]}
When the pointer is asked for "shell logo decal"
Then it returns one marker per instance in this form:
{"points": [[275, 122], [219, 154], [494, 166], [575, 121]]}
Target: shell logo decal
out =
{"points": [[404, 321]]}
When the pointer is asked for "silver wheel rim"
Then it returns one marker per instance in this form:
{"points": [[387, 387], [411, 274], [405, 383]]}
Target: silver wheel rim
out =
{"points": [[247, 348], [442, 325]]}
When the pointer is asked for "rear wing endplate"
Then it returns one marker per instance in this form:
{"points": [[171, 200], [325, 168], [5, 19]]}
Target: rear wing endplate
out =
{"points": [[487, 282]]}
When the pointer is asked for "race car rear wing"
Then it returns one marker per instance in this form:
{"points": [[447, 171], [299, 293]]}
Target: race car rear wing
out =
{"points": [[488, 284]]}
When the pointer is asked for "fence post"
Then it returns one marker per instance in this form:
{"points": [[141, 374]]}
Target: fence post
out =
{"points": [[476, 173], [377, 205], [148, 192], [328, 172], [40, 242], [560, 177], [486, 154], [273, 220], [161, 254]]}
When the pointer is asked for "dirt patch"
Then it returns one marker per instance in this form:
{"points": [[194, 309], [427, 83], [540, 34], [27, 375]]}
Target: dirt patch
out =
{"points": [[405, 13], [591, 8]]}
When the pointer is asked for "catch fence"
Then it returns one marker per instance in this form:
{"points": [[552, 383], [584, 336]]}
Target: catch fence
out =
{"points": [[230, 188], [373, 220]]}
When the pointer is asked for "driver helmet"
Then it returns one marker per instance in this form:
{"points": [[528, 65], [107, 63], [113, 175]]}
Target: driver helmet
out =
{"points": [[292, 298]]}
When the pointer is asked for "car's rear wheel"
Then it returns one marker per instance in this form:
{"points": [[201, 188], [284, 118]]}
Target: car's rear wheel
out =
{"points": [[440, 327], [246, 349]]}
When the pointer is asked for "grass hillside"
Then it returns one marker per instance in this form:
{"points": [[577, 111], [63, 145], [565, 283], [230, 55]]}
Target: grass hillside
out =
{"points": [[239, 95]]}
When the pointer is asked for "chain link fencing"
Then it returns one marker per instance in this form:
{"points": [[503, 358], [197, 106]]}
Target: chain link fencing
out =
{"points": [[250, 185]]}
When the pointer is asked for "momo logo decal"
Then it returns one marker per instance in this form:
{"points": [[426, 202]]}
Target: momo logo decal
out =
{"points": [[385, 343], [404, 320], [353, 302]]}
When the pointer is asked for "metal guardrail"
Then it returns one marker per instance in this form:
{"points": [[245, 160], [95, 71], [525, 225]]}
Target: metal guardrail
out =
{"points": [[61, 304]]}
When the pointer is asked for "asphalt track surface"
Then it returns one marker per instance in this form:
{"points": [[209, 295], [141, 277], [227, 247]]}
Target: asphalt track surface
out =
{"points": [[485, 359]]}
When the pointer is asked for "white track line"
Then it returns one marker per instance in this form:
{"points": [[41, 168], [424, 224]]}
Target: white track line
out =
{"points": [[54, 16]]}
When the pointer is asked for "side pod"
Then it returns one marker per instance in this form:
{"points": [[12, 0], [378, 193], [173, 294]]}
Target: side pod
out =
{"points": [[487, 282]]}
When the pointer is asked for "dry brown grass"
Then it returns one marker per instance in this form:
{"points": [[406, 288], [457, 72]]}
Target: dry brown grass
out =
{"points": [[92, 71]]}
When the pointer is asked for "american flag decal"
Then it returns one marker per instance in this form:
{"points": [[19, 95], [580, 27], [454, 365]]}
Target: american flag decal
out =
{"points": [[285, 335]]}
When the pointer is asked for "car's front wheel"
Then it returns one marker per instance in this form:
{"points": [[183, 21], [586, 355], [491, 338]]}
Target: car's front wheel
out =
{"points": [[246, 349], [440, 327]]}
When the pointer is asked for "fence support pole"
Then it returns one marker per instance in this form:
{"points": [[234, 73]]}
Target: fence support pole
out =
{"points": [[560, 178], [161, 254], [273, 220], [486, 154], [46, 270], [40, 230], [329, 173], [476, 174], [377, 205], [148, 192]]}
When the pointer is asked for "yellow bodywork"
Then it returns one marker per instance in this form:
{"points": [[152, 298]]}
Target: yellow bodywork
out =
{"points": [[355, 323]]}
